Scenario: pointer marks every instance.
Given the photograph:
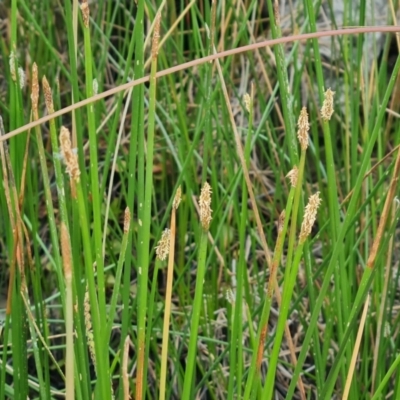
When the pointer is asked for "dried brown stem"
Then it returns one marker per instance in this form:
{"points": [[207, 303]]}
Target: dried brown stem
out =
{"points": [[181, 67]]}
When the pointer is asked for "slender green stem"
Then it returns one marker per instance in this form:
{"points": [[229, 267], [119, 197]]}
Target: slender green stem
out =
{"points": [[351, 211], [118, 276], [94, 174], [377, 395], [283, 314], [100, 349], [237, 310], [144, 232], [194, 324], [284, 88], [261, 334], [342, 290]]}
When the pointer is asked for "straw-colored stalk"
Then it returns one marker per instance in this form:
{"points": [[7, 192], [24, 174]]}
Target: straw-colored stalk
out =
{"points": [[69, 320], [383, 297], [125, 375], [168, 294], [9, 192], [356, 349]]}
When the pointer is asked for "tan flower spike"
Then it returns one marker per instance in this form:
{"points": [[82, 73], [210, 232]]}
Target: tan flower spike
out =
{"points": [[327, 107], [310, 216], [304, 127], [247, 101], [293, 175], [35, 89], [127, 220], [162, 248], [70, 158], [177, 198], [205, 206], [48, 96]]}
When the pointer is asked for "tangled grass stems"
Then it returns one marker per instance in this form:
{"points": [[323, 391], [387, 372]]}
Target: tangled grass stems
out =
{"points": [[187, 110]]}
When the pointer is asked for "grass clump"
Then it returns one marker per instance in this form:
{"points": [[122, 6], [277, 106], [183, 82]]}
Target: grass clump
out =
{"points": [[147, 129]]}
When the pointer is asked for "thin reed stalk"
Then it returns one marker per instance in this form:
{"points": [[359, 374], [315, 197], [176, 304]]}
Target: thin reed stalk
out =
{"points": [[168, 294], [144, 233], [205, 219]]}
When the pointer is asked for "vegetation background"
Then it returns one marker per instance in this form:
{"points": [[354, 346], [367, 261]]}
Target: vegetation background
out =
{"points": [[171, 238]]}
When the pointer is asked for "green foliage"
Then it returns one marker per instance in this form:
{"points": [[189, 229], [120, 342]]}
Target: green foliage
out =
{"points": [[133, 150]]}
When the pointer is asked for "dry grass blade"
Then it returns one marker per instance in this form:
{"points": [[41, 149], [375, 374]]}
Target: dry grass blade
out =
{"points": [[356, 349], [184, 66]]}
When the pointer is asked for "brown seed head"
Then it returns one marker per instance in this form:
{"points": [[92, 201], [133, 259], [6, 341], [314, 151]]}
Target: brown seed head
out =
{"points": [[127, 220], [88, 327], [205, 206], [246, 99], [277, 14], [66, 252], [293, 175], [281, 221], [156, 36], [310, 215], [48, 97], [327, 106], [35, 89], [304, 127], [177, 198], [162, 248], [71, 159], [85, 13]]}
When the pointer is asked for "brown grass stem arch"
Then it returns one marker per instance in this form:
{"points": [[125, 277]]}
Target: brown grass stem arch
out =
{"points": [[250, 47]]}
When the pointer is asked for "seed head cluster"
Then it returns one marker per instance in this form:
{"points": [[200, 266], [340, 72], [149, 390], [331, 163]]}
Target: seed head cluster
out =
{"points": [[293, 175], [48, 96], [35, 88], [327, 107], [156, 36], [71, 159], [162, 248], [310, 215], [205, 206], [177, 198], [246, 99], [127, 220], [88, 327], [85, 13], [304, 127]]}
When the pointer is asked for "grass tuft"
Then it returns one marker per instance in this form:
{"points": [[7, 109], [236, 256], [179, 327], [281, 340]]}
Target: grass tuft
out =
{"points": [[169, 231]]}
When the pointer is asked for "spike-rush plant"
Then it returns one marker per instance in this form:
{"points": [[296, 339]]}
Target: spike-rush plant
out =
{"points": [[168, 231]]}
